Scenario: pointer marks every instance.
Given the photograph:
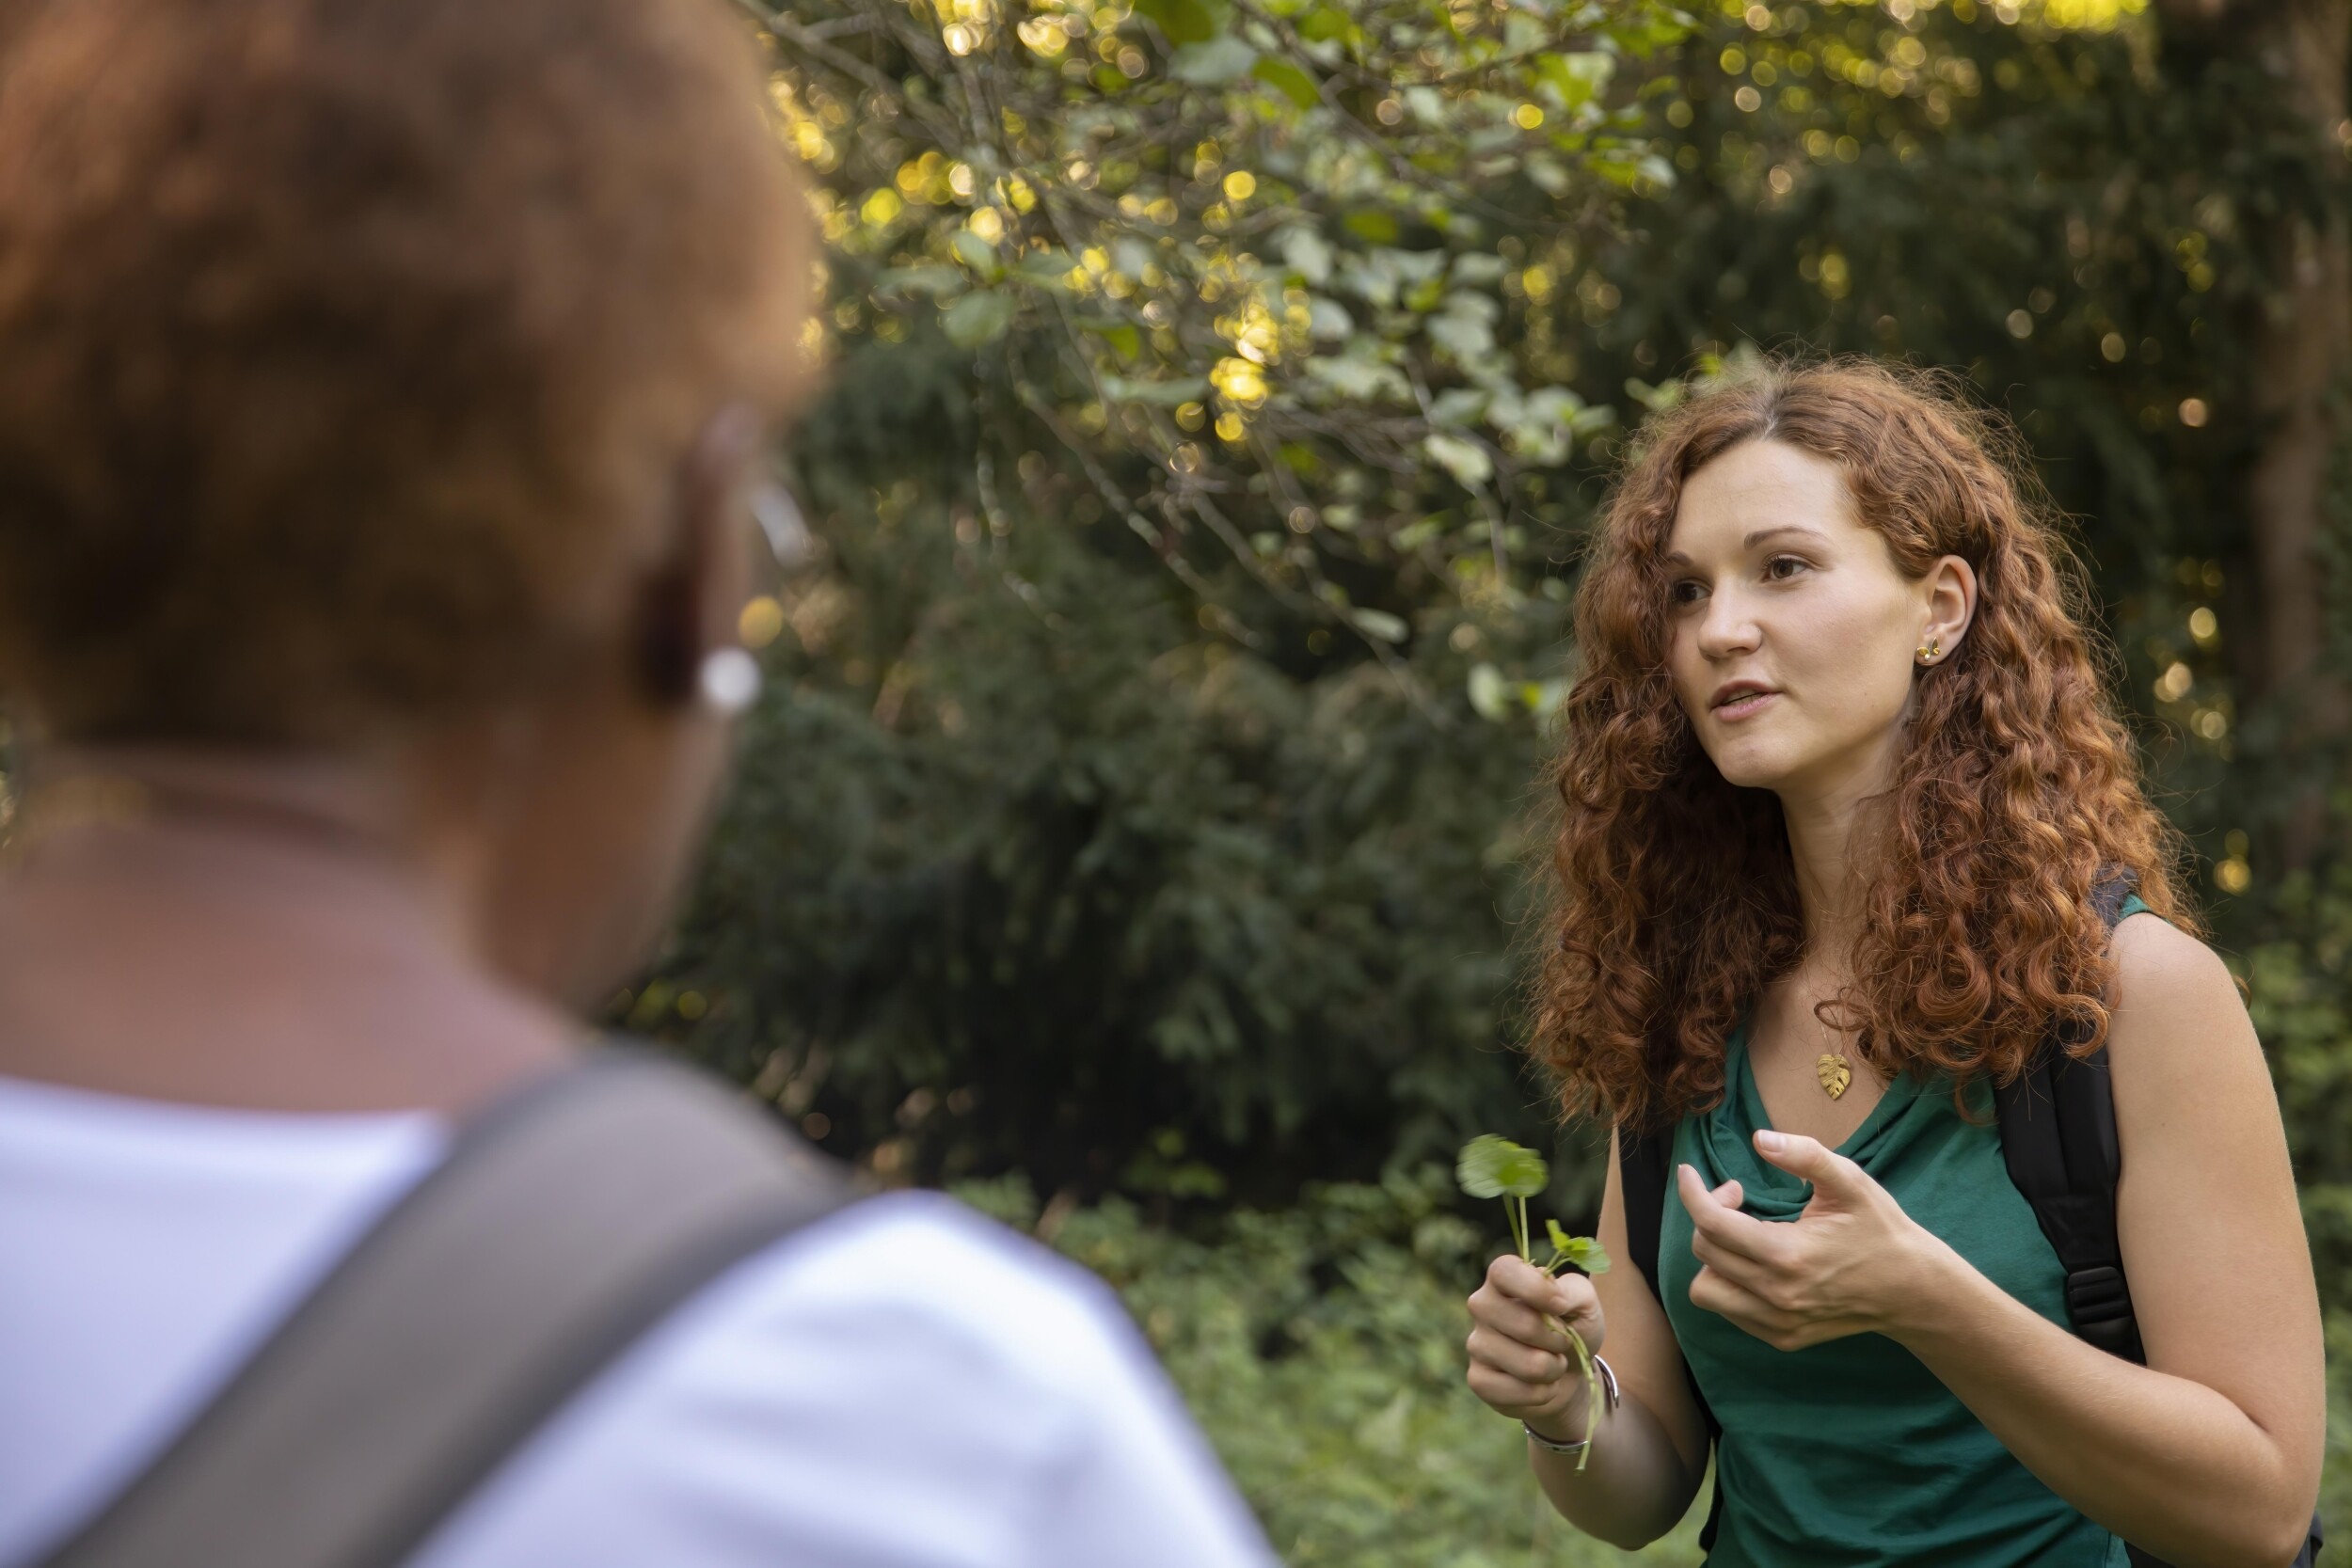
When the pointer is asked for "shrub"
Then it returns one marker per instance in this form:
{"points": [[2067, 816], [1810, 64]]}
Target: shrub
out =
{"points": [[1320, 1348]]}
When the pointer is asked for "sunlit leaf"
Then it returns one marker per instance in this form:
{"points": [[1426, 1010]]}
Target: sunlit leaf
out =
{"points": [[1465, 459], [1465, 328], [1360, 377], [1307, 254], [1490, 693], [1458, 407], [1577, 78]]}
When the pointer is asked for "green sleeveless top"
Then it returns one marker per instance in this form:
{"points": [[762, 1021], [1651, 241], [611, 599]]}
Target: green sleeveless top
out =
{"points": [[1852, 1453]]}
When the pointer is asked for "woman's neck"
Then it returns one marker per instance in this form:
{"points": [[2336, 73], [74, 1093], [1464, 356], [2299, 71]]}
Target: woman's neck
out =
{"points": [[1832, 842], [245, 932]]}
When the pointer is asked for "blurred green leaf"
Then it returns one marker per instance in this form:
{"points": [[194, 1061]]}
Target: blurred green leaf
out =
{"points": [[925, 281], [980, 317], [1494, 1167], [1490, 694], [975, 253], [1465, 459], [1221, 59], [1576, 78], [1162, 394], [1184, 20], [1288, 79]]}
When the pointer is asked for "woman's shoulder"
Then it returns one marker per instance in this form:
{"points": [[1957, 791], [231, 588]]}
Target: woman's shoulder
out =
{"points": [[2177, 1023], [2159, 967], [905, 1376], [917, 1274], [926, 1256]]}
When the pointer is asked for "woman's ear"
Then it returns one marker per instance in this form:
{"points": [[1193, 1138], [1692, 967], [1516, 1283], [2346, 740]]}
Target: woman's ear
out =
{"points": [[1951, 606], [691, 597]]}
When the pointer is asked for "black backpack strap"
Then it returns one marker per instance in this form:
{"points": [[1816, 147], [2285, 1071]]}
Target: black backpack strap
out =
{"points": [[2059, 1141], [564, 1223], [2058, 1138], [1644, 1168]]}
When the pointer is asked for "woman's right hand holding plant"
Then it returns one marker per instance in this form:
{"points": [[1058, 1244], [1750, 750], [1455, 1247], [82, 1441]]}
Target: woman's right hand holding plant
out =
{"points": [[1522, 1363]]}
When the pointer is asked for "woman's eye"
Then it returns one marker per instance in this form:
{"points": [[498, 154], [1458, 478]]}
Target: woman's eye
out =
{"points": [[1782, 567], [1685, 592]]}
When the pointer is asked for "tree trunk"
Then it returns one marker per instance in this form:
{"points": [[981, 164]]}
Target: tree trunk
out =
{"points": [[2302, 345]]}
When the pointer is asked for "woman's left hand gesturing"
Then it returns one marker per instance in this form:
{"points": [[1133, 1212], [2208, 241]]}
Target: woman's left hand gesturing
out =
{"points": [[1850, 1263]]}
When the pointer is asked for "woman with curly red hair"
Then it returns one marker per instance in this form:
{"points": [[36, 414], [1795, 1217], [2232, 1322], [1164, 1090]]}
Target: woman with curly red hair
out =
{"points": [[1842, 793]]}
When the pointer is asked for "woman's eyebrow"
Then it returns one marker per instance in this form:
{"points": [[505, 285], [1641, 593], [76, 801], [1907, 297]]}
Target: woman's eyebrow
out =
{"points": [[1763, 534], [1676, 558]]}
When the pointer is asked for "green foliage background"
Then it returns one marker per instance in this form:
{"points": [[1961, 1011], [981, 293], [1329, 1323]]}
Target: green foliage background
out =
{"points": [[1140, 812]]}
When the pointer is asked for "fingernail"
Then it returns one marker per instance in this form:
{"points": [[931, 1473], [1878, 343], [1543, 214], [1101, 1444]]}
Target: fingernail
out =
{"points": [[1771, 1143]]}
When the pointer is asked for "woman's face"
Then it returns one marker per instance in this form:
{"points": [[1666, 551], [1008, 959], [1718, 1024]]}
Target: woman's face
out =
{"points": [[1793, 633]]}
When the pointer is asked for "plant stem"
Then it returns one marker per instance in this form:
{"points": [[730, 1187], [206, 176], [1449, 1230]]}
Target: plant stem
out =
{"points": [[1592, 1385], [1515, 1207], [1592, 1397]]}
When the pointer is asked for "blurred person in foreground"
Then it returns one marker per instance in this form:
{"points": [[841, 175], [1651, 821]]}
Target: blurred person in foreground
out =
{"points": [[383, 384]]}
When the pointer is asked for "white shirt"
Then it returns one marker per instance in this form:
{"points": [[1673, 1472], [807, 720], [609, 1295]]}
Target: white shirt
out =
{"points": [[904, 1384]]}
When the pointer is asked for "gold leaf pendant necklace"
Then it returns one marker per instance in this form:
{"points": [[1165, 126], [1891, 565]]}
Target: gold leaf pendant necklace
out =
{"points": [[1835, 1072]]}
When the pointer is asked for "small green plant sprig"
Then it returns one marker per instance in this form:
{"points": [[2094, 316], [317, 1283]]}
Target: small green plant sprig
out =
{"points": [[1492, 1166]]}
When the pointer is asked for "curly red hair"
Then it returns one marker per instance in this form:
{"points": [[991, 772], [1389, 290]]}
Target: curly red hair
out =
{"points": [[2017, 794]]}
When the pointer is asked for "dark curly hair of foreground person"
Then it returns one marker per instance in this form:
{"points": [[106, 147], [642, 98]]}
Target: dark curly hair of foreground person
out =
{"points": [[342, 366]]}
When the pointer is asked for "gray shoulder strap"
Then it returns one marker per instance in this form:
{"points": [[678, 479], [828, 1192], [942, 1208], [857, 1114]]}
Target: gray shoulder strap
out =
{"points": [[567, 1220]]}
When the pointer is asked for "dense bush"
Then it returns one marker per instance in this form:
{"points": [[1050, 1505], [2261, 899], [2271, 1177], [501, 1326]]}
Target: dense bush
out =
{"points": [[1320, 1346], [1022, 871]]}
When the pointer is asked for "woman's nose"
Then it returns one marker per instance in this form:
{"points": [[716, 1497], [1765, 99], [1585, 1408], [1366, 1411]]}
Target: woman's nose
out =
{"points": [[1729, 628]]}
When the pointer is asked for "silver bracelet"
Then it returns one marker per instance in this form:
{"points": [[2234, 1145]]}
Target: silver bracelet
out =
{"points": [[1610, 1399]]}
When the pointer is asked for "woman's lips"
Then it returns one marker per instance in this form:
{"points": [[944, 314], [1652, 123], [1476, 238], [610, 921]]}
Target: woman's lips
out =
{"points": [[1745, 705]]}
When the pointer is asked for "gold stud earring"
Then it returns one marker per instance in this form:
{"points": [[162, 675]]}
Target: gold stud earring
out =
{"points": [[1931, 650]]}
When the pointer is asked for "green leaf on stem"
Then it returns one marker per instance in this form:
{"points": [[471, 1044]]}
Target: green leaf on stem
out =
{"points": [[1585, 1252], [1492, 1166]]}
